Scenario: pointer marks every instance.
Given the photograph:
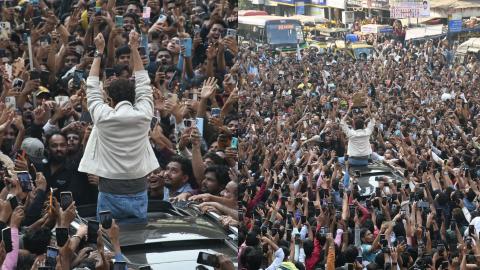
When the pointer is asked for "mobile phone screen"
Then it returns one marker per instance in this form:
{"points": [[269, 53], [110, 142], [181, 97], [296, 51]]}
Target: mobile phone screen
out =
{"points": [[207, 259], [61, 234], [25, 181], [51, 259], [92, 231], [66, 199], [106, 219], [7, 239]]}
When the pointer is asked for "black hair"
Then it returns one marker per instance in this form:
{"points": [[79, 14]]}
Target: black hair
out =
{"points": [[25, 261], [37, 241], [252, 258], [122, 50], [221, 174], [50, 135], [218, 160], [186, 167], [121, 90], [359, 123]]}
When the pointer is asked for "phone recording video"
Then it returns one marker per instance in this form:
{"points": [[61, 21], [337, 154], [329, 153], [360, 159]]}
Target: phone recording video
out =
{"points": [[208, 259], [92, 231], [106, 219]]}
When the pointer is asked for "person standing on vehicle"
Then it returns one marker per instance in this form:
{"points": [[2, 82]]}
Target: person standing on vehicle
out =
{"points": [[359, 148], [118, 149]]}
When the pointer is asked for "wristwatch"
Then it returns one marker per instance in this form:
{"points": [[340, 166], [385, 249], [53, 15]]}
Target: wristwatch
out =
{"points": [[98, 54]]}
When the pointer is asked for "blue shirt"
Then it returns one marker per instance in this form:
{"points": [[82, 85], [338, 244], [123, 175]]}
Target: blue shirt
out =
{"points": [[185, 188]]}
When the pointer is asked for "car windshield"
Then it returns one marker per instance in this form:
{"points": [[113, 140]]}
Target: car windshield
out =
{"points": [[287, 33], [363, 53]]}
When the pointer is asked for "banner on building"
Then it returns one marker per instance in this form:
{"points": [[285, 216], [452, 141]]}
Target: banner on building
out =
{"points": [[400, 9], [299, 8]]}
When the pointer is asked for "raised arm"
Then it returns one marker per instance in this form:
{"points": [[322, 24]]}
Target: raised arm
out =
{"points": [[143, 90], [95, 102]]}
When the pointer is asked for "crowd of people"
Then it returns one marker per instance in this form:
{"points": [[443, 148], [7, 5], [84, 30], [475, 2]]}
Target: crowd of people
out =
{"points": [[187, 72], [412, 108]]}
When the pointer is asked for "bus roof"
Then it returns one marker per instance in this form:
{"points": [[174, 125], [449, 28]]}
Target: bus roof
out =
{"points": [[261, 20], [252, 13]]}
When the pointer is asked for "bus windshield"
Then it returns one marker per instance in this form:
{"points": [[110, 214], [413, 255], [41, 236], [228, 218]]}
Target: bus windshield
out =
{"points": [[287, 33]]}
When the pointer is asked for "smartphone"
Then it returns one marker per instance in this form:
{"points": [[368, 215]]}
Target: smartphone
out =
{"points": [[44, 76], [51, 259], [304, 219], [34, 75], [471, 229], [92, 231], [208, 259], [289, 235], [216, 112], [234, 143], [154, 122], [317, 212], [142, 50], [399, 185], [187, 43], [146, 14], [349, 266], [382, 237], [61, 234], [66, 199], [378, 192], [264, 230], [106, 219], [231, 32], [77, 78], [18, 84], [13, 202], [25, 181], [117, 265], [119, 21], [7, 239], [187, 122], [98, 11], [394, 197]]}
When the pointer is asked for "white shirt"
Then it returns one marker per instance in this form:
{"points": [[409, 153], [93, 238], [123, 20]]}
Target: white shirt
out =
{"points": [[119, 147], [358, 140], [279, 255]]}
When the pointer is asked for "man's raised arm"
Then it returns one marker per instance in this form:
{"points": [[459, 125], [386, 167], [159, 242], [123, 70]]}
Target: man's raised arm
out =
{"points": [[96, 105], [143, 90]]}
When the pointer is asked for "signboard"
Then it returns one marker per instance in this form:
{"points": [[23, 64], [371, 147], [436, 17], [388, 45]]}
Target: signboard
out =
{"points": [[300, 8], [422, 32], [454, 26], [400, 9], [348, 17], [316, 2], [336, 4]]}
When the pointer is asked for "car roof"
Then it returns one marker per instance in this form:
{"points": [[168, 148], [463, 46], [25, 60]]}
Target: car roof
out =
{"points": [[173, 237]]}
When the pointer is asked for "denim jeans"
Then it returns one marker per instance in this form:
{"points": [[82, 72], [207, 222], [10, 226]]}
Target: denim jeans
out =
{"points": [[353, 161], [126, 209]]}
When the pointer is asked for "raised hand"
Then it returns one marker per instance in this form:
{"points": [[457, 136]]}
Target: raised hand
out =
{"points": [[208, 89], [134, 40], [99, 42]]}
